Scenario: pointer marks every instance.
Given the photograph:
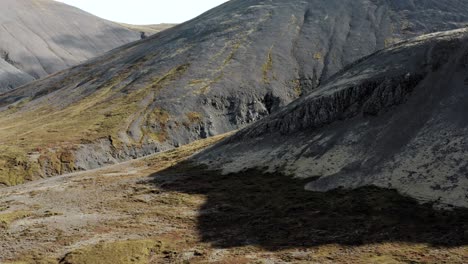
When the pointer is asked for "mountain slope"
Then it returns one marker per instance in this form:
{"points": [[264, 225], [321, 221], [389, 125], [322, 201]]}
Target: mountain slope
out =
{"points": [[396, 119], [219, 72], [149, 29], [41, 37], [150, 211]]}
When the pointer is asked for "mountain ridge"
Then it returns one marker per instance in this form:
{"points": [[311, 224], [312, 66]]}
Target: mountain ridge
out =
{"points": [[393, 119], [41, 37], [219, 72]]}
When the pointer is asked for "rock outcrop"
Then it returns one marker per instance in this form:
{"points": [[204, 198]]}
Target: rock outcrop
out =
{"points": [[396, 119], [219, 72]]}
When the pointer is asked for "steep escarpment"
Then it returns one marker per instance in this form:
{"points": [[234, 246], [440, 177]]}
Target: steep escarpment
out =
{"points": [[41, 37], [227, 68], [396, 119]]}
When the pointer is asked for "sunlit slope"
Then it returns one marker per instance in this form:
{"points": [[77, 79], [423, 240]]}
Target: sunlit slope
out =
{"points": [[227, 68], [41, 37]]}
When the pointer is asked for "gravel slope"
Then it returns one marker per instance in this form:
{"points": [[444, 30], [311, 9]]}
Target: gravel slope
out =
{"points": [[396, 119], [221, 71]]}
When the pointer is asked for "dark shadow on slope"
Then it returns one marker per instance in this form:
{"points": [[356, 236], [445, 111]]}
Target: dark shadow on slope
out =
{"points": [[275, 212]]}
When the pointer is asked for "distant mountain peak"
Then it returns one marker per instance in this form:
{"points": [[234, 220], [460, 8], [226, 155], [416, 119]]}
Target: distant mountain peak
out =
{"points": [[38, 38]]}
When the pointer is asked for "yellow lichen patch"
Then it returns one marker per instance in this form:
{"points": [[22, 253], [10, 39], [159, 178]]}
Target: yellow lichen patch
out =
{"points": [[207, 85], [390, 41], [197, 81], [231, 55], [157, 116], [318, 56], [28, 260], [33, 256], [194, 117], [7, 218], [132, 251], [160, 136], [267, 66], [15, 166], [382, 260], [297, 87], [171, 75]]}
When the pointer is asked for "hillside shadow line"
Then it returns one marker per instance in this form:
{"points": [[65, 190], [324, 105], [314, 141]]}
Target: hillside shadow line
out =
{"points": [[275, 212]]}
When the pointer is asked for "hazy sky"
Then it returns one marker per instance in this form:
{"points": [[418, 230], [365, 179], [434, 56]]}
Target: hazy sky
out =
{"points": [[145, 11]]}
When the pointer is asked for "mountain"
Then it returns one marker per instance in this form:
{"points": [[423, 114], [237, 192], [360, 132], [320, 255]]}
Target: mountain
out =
{"points": [[396, 119], [149, 29], [41, 37], [150, 211], [229, 67]]}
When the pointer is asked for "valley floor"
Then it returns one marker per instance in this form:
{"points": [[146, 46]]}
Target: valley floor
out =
{"points": [[162, 209]]}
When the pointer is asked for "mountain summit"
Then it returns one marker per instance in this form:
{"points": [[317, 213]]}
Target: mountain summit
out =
{"points": [[229, 67]]}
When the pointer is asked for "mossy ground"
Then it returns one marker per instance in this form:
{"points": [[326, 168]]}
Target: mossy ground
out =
{"points": [[102, 114], [7, 218], [194, 117], [268, 66], [162, 209], [132, 251]]}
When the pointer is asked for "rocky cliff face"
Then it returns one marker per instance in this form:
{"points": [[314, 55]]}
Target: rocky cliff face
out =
{"points": [[228, 68], [41, 37], [396, 119]]}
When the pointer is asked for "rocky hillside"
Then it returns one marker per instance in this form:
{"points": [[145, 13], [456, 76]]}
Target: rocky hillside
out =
{"points": [[219, 72], [41, 37], [396, 119], [149, 29], [150, 211]]}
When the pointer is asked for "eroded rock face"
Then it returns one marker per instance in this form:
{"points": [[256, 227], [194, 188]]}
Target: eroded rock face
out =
{"points": [[41, 37], [396, 119], [230, 67]]}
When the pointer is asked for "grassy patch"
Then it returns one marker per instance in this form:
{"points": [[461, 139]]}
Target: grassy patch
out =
{"points": [[158, 117], [267, 66], [381, 260], [194, 117], [206, 86], [297, 87], [197, 81], [318, 56], [55, 132], [15, 166], [170, 76], [132, 251], [8, 218], [231, 55]]}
